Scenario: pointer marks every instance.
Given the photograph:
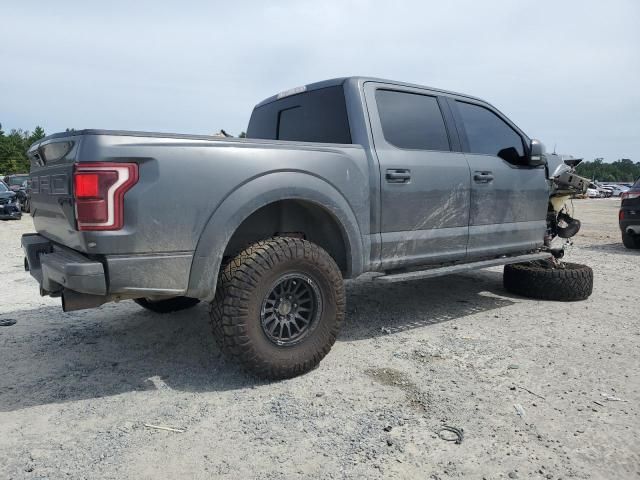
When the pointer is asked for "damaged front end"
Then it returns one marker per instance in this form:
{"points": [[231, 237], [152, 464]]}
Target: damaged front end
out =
{"points": [[564, 184]]}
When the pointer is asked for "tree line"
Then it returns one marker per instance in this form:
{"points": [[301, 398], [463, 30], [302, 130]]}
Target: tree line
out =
{"points": [[13, 149], [14, 146], [623, 170]]}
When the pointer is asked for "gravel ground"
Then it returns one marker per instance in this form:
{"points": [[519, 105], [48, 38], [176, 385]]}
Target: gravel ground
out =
{"points": [[77, 389]]}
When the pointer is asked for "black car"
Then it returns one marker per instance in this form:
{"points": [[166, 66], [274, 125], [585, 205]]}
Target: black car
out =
{"points": [[630, 216], [9, 203]]}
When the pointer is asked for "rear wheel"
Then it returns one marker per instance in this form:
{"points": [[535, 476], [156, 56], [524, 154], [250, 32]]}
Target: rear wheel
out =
{"points": [[631, 241], [167, 305], [278, 307], [545, 281]]}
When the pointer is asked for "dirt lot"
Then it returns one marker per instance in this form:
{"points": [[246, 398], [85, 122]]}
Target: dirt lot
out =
{"points": [[77, 389]]}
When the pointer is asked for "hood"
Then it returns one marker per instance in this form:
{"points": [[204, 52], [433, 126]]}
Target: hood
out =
{"points": [[7, 195]]}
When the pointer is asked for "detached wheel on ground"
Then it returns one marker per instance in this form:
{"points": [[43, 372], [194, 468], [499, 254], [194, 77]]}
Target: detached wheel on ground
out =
{"points": [[167, 305], [544, 281], [631, 241], [278, 307]]}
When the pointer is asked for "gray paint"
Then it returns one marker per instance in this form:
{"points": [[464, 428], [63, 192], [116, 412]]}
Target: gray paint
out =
{"points": [[194, 192]]}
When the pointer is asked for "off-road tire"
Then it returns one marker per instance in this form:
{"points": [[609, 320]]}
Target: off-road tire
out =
{"points": [[168, 305], [631, 241], [568, 283], [243, 284]]}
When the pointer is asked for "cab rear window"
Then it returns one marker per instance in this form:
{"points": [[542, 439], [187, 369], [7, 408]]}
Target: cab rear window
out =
{"points": [[314, 116]]}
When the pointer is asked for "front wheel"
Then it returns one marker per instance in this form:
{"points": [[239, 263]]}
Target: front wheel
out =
{"points": [[278, 307]]}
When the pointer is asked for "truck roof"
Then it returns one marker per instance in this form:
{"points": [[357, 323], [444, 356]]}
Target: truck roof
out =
{"points": [[356, 79]]}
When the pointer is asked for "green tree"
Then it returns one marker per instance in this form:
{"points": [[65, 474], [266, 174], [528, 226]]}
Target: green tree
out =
{"points": [[14, 147], [623, 170]]}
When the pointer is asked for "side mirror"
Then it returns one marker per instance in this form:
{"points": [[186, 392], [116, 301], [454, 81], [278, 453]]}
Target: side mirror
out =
{"points": [[536, 153]]}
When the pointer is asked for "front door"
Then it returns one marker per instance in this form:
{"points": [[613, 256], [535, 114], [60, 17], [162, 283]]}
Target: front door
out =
{"points": [[424, 185], [508, 198]]}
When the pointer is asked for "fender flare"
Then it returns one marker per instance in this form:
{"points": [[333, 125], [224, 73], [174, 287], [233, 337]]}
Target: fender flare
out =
{"points": [[253, 195]]}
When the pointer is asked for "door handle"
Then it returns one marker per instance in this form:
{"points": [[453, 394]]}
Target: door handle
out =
{"points": [[483, 177], [398, 175]]}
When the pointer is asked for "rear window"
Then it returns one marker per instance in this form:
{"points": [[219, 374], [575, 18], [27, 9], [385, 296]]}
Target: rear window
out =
{"points": [[315, 116]]}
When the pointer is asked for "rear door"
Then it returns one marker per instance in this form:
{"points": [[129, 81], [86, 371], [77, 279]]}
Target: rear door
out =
{"points": [[424, 181], [51, 175], [508, 198]]}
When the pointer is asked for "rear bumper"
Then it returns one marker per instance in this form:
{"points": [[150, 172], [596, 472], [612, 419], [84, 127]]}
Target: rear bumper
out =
{"points": [[630, 227], [58, 268]]}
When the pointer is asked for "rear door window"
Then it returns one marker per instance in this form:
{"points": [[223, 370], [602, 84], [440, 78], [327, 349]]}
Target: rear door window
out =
{"points": [[411, 120], [488, 134]]}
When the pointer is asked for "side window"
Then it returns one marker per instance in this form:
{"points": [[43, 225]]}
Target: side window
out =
{"points": [[488, 133], [411, 120], [314, 116]]}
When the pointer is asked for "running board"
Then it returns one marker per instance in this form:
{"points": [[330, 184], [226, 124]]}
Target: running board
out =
{"points": [[463, 267]]}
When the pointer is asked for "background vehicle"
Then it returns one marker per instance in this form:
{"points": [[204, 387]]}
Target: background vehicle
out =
{"points": [[606, 192], [629, 216], [24, 195], [14, 182], [618, 189], [593, 192], [9, 203], [335, 179]]}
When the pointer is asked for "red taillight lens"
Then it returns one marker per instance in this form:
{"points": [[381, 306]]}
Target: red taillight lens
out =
{"points": [[99, 190], [86, 185], [621, 215]]}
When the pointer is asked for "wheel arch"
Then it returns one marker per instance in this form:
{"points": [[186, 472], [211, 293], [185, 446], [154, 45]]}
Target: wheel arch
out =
{"points": [[280, 188]]}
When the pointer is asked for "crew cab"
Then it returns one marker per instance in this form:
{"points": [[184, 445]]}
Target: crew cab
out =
{"points": [[334, 179]]}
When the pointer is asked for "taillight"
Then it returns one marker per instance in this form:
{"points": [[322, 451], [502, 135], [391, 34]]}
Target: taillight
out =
{"points": [[621, 214], [630, 195], [99, 189]]}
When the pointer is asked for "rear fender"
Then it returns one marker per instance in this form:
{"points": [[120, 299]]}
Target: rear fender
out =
{"points": [[251, 196]]}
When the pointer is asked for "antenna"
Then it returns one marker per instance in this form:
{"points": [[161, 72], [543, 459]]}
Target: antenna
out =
{"points": [[554, 148]]}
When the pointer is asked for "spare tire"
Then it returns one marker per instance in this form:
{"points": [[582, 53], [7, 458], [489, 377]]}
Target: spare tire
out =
{"points": [[542, 280]]}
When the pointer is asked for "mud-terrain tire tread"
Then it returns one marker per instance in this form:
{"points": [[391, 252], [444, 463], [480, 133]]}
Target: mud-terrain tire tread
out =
{"points": [[572, 283], [169, 305], [238, 279], [631, 241]]}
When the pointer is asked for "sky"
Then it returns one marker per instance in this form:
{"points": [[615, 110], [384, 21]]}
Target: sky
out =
{"points": [[566, 72]]}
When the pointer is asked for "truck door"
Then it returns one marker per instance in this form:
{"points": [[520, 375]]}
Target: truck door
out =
{"points": [[424, 182], [508, 197]]}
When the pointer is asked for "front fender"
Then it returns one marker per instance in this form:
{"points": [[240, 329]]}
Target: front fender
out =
{"points": [[254, 195]]}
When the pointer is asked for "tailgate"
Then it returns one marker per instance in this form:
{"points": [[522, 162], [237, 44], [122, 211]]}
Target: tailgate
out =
{"points": [[51, 176]]}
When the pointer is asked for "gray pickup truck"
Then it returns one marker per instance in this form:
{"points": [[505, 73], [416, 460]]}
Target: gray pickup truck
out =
{"points": [[334, 179]]}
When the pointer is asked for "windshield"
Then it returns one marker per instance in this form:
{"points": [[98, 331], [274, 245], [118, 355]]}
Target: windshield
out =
{"points": [[18, 179], [637, 184], [3, 187]]}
